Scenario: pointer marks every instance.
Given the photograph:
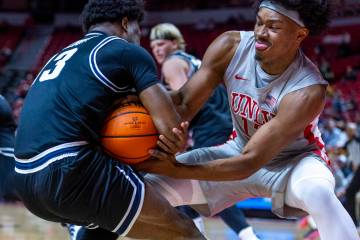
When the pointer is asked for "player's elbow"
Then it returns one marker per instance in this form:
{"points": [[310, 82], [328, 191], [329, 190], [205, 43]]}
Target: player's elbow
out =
{"points": [[251, 163]]}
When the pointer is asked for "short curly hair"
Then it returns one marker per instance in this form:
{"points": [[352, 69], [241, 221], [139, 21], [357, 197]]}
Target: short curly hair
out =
{"points": [[315, 14], [99, 11]]}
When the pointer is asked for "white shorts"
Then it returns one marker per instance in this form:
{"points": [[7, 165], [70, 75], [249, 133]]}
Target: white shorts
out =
{"points": [[269, 181]]}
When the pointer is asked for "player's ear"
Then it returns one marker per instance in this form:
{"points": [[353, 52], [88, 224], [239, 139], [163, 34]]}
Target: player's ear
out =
{"points": [[302, 34], [124, 24], [175, 44]]}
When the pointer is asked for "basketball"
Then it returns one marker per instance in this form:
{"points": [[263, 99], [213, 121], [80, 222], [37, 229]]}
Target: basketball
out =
{"points": [[129, 133]]}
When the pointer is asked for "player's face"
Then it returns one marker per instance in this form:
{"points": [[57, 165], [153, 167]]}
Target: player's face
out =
{"points": [[161, 48], [276, 36], [133, 32]]}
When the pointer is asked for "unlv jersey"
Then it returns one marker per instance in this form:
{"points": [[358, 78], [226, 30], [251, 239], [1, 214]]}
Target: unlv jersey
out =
{"points": [[255, 96]]}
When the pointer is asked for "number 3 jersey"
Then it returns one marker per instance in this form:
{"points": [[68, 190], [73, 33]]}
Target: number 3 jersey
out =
{"points": [[72, 94], [255, 96]]}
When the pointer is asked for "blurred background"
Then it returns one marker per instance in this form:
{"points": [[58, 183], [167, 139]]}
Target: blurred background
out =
{"points": [[31, 31]]}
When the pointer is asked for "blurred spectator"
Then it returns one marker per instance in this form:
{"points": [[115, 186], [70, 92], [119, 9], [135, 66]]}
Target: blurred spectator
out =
{"points": [[22, 89], [353, 151], [6, 52], [352, 146], [29, 78], [344, 49], [333, 136], [17, 106], [350, 74], [342, 105], [340, 170], [326, 70]]}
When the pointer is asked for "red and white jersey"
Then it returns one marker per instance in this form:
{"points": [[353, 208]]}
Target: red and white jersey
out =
{"points": [[255, 96]]}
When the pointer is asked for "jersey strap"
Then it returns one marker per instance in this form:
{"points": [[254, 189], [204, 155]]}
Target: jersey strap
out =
{"points": [[45, 158]]}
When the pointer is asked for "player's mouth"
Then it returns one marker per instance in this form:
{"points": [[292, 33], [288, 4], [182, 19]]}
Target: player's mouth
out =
{"points": [[261, 45], [159, 57]]}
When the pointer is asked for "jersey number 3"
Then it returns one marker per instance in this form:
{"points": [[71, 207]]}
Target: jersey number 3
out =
{"points": [[60, 60]]}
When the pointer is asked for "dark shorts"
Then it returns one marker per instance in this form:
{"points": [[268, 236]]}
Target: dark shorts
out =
{"points": [[88, 189]]}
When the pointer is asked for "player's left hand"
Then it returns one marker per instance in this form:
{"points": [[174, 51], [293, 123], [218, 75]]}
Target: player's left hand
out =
{"points": [[181, 136]]}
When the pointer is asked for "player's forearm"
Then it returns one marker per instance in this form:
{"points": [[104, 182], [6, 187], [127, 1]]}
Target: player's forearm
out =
{"points": [[161, 109], [181, 106], [228, 169], [186, 104]]}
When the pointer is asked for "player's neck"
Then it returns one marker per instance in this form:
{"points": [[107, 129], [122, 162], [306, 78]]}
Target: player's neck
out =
{"points": [[108, 28], [277, 66]]}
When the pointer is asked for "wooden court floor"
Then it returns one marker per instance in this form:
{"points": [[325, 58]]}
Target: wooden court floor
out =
{"points": [[16, 223]]}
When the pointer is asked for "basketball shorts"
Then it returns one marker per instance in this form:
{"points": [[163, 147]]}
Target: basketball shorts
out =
{"points": [[269, 181], [77, 183]]}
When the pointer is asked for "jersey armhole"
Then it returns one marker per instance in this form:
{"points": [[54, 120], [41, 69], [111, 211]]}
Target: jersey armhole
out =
{"points": [[244, 37], [95, 68]]}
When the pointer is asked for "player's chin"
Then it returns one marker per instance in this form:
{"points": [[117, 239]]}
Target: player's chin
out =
{"points": [[258, 56], [262, 55], [159, 59]]}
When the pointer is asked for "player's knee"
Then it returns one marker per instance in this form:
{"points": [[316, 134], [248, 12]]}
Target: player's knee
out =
{"points": [[314, 193]]}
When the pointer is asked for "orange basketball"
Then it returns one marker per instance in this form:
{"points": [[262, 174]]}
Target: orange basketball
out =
{"points": [[129, 133]]}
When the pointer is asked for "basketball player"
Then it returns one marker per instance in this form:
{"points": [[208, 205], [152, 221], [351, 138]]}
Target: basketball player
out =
{"points": [[62, 174], [7, 163], [212, 125], [275, 95]]}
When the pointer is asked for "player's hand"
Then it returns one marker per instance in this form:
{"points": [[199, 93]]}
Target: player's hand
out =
{"points": [[181, 136], [160, 163]]}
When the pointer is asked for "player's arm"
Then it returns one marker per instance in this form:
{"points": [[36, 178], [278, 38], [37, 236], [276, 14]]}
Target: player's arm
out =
{"points": [[175, 71], [192, 96], [159, 104], [153, 95], [297, 110]]}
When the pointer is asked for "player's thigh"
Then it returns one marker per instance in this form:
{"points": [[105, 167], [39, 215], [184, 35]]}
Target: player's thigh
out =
{"points": [[159, 220], [309, 170]]}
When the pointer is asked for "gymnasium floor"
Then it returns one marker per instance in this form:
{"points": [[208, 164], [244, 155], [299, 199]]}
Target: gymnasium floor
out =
{"points": [[16, 223]]}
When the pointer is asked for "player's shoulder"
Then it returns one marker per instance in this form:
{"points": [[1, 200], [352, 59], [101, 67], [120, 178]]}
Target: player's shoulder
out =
{"points": [[175, 60], [229, 39], [113, 42], [113, 46], [225, 44], [222, 50]]}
